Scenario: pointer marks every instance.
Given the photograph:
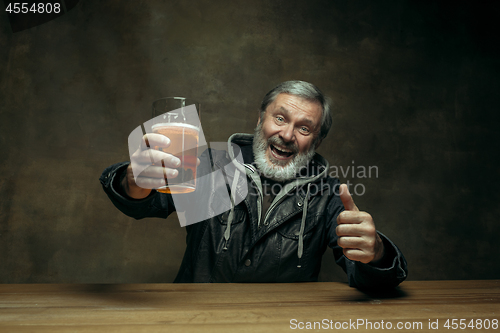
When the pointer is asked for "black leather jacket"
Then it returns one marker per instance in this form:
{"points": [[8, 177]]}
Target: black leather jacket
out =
{"points": [[284, 246]]}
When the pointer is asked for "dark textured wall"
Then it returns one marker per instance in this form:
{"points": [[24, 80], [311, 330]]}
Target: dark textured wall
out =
{"points": [[415, 86]]}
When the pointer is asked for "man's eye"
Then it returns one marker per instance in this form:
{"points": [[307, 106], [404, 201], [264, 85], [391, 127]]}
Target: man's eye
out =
{"points": [[280, 119], [304, 129]]}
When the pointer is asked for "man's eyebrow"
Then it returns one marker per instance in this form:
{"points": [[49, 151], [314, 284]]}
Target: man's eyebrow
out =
{"points": [[285, 111], [308, 121]]}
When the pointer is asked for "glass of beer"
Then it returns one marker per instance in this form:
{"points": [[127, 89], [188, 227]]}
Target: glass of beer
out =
{"points": [[178, 119]]}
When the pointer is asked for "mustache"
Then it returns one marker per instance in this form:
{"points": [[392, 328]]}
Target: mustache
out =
{"points": [[275, 140]]}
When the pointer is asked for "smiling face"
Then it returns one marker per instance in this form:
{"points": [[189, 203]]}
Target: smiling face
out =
{"points": [[285, 139]]}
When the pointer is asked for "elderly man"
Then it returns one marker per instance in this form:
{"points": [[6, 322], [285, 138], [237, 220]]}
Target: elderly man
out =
{"points": [[281, 229]]}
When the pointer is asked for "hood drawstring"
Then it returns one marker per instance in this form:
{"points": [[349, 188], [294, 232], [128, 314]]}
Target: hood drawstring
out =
{"points": [[303, 225], [230, 218]]}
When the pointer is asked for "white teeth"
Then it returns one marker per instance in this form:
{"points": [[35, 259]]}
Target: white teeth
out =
{"points": [[282, 150]]}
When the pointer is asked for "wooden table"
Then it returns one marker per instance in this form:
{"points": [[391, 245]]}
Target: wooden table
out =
{"points": [[249, 307]]}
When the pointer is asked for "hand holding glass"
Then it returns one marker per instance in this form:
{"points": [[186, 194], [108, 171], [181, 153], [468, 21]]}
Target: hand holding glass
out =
{"points": [[167, 159]]}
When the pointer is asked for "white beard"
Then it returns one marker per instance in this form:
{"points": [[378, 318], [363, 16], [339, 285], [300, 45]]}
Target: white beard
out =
{"points": [[274, 171]]}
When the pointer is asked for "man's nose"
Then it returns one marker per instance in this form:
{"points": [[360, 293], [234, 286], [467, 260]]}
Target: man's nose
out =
{"points": [[287, 133]]}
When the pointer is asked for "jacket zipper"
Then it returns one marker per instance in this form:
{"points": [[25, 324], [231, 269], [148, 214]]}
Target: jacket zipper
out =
{"points": [[277, 203]]}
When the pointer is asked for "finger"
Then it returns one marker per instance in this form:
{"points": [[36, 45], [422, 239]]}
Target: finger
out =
{"points": [[155, 177], [367, 232], [357, 255], [143, 181], [150, 183], [156, 171], [348, 242], [154, 141], [346, 198], [152, 156], [350, 230], [352, 217]]}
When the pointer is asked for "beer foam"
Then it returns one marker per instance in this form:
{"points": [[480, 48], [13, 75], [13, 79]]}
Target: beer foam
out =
{"points": [[175, 125]]}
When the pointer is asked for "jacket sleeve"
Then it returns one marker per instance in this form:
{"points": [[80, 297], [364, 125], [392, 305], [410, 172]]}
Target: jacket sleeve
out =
{"points": [[155, 205], [391, 271], [370, 277]]}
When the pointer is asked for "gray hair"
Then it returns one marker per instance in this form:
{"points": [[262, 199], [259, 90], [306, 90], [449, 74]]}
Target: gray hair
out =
{"points": [[304, 90]]}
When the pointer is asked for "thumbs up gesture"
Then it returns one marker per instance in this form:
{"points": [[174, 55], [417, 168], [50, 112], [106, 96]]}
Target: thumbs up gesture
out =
{"points": [[356, 230]]}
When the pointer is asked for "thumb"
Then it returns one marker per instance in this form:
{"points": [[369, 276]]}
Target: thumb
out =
{"points": [[346, 198]]}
